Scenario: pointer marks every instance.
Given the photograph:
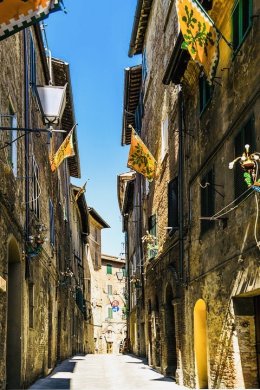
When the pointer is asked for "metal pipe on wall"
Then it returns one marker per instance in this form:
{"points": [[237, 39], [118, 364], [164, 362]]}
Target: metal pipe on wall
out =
{"points": [[26, 145], [180, 183]]}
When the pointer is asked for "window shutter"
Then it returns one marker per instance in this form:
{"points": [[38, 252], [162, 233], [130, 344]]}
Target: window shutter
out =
{"points": [[207, 197], [109, 269], [173, 217], [109, 289], [235, 23], [52, 230], [152, 225], [110, 313]]}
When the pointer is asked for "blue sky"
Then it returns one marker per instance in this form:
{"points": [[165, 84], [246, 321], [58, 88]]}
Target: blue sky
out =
{"points": [[93, 37]]}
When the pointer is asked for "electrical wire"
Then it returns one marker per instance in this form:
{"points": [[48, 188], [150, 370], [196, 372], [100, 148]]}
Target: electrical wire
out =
{"points": [[218, 214]]}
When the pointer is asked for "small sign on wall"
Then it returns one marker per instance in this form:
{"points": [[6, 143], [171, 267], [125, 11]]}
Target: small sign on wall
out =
{"points": [[2, 284]]}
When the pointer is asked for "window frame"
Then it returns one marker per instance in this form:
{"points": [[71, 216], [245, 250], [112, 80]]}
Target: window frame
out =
{"points": [[204, 90], [241, 35], [173, 210], [164, 137], [238, 173], [110, 313], [33, 62], [35, 202], [207, 196], [52, 223], [13, 147], [109, 269]]}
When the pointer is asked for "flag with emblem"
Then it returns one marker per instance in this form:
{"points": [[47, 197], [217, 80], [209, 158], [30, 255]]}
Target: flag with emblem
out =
{"points": [[201, 38], [140, 158], [16, 15], [65, 150], [80, 192]]}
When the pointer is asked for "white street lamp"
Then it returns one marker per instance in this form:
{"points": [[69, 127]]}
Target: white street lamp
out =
{"points": [[52, 102]]}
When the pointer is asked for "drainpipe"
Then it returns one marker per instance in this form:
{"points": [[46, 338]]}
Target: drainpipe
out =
{"points": [[26, 146], [180, 183]]}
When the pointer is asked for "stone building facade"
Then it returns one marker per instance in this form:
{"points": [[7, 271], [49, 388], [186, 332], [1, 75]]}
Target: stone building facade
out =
{"points": [[201, 275], [42, 313], [112, 278]]}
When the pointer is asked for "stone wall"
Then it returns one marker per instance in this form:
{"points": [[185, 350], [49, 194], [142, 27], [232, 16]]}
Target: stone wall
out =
{"points": [[222, 263]]}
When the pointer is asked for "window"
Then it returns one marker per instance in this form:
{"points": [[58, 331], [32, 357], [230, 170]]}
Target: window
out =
{"points": [[33, 79], [52, 227], [144, 66], [110, 313], [173, 217], [164, 136], [124, 272], [207, 198], [109, 269], [152, 225], [152, 247], [35, 193], [139, 114], [89, 286], [245, 136], [31, 304], [12, 147], [96, 259], [205, 91], [241, 21], [109, 289]]}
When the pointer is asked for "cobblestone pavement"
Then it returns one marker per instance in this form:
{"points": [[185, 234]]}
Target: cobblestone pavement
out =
{"points": [[105, 372]]}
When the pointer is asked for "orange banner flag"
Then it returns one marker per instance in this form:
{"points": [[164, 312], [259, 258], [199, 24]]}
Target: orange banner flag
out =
{"points": [[65, 150], [16, 15], [140, 158]]}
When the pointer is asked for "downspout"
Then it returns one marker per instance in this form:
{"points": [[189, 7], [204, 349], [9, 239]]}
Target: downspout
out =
{"points": [[180, 183], [26, 149]]}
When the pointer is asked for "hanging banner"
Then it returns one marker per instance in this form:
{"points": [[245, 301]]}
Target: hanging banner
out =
{"points": [[80, 192], [65, 150], [201, 38], [15, 15], [140, 158]]}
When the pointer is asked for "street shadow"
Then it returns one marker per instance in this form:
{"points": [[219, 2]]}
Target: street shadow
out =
{"points": [[69, 366], [164, 379], [51, 383]]}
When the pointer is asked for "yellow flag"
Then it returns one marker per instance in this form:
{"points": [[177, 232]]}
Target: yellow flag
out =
{"points": [[65, 150], [140, 158], [16, 15], [80, 192], [200, 36]]}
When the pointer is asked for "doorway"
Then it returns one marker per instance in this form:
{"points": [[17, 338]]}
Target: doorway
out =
{"points": [[170, 334], [109, 347], [14, 318], [200, 343]]}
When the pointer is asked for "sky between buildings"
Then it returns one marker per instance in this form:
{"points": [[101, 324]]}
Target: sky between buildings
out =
{"points": [[93, 37]]}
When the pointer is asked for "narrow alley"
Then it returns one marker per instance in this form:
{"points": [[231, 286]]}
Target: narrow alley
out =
{"points": [[98, 372]]}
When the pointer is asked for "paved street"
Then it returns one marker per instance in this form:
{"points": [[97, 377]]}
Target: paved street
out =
{"points": [[105, 372]]}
